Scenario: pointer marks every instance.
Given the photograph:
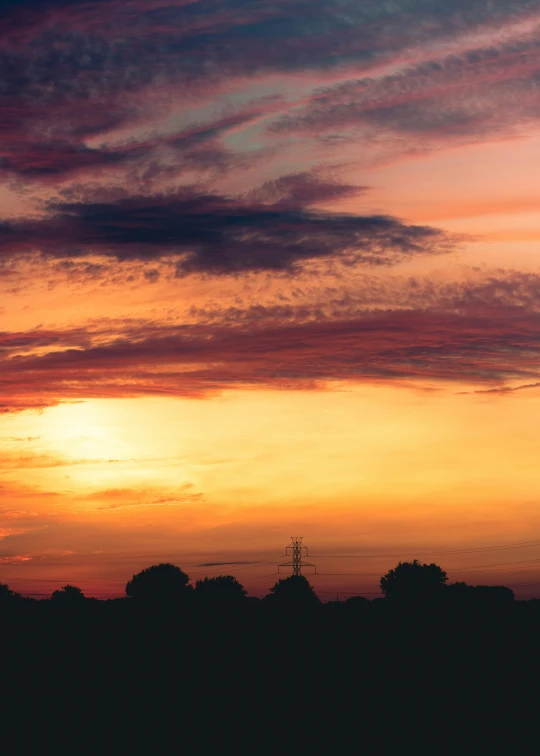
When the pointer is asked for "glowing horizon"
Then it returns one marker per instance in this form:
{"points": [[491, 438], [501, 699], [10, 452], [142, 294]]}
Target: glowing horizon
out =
{"points": [[267, 270]]}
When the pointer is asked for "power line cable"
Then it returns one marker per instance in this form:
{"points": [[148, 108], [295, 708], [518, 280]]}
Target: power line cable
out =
{"points": [[470, 568], [482, 567], [410, 552], [515, 585]]}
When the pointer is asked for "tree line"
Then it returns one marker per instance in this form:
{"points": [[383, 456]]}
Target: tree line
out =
{"points": [[203, 666], [409, 583]]}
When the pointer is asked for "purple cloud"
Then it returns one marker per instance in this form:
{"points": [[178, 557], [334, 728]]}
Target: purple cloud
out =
{"points": [[220, 235], [463, 333]]}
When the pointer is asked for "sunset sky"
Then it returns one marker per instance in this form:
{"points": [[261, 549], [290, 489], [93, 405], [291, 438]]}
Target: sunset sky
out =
{"points": [[269, 269]]}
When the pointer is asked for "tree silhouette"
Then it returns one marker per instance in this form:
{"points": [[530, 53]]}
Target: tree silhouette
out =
{"points": [[69, 595], [7, 595], [357, 602], [412, 581], [220, 589], [292, 591], [480, 595], [162, 582]]}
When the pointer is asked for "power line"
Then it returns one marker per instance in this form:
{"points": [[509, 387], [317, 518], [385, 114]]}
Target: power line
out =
{"points": [[350, 574], [515, 585], [268, 574], [470, 568], [410, 552], [481, 567]]}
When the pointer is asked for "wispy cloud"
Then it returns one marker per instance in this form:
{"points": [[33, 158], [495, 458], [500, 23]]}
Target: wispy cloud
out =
{"points": [[126, 498], [482, 93], [132, 130], [15, 559], [220, 235], [77, 76], [483, 332]]}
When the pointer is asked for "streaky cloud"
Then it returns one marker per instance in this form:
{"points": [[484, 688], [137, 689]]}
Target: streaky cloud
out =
{"points": [[75, 73], [216, 234], [481, 334], [462, 98]]}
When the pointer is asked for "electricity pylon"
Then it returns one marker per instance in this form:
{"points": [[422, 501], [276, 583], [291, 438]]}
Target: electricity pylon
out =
{"points": [[297, 552]]}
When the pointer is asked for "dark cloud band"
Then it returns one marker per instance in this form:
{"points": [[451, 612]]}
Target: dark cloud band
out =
{"points": [[473, 335], [218, 235], [76, 71]]}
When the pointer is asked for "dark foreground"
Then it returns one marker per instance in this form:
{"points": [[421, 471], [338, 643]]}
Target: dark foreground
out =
{"points": [[122, 677]]}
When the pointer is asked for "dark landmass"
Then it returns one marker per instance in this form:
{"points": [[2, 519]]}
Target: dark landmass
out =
{"points": [[208, 670]]}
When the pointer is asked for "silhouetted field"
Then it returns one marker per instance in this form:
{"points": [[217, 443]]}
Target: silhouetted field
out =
{"points": [[253, 676]]}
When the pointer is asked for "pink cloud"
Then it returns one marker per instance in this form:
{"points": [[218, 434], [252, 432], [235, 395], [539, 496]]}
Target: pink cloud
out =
{"points": [[480, 333]]}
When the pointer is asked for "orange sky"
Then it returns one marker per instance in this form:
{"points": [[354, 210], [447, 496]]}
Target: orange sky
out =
{"points": [[96, 489], [271, 295]]}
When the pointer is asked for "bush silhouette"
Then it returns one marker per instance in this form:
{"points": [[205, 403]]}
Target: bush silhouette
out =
{"points": [[292, 591], [162, 582], [7, 596], [220, 589], [68, 595], [357, 603], [480, 595], [412, 581]]}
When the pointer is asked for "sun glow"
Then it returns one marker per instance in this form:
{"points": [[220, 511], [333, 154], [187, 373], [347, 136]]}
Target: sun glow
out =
{"points": [[85, 431], [370, 444], [392, 467]]}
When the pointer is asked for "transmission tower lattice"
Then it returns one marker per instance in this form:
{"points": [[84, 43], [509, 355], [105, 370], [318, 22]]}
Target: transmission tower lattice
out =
{"points": [[297, 552]]}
